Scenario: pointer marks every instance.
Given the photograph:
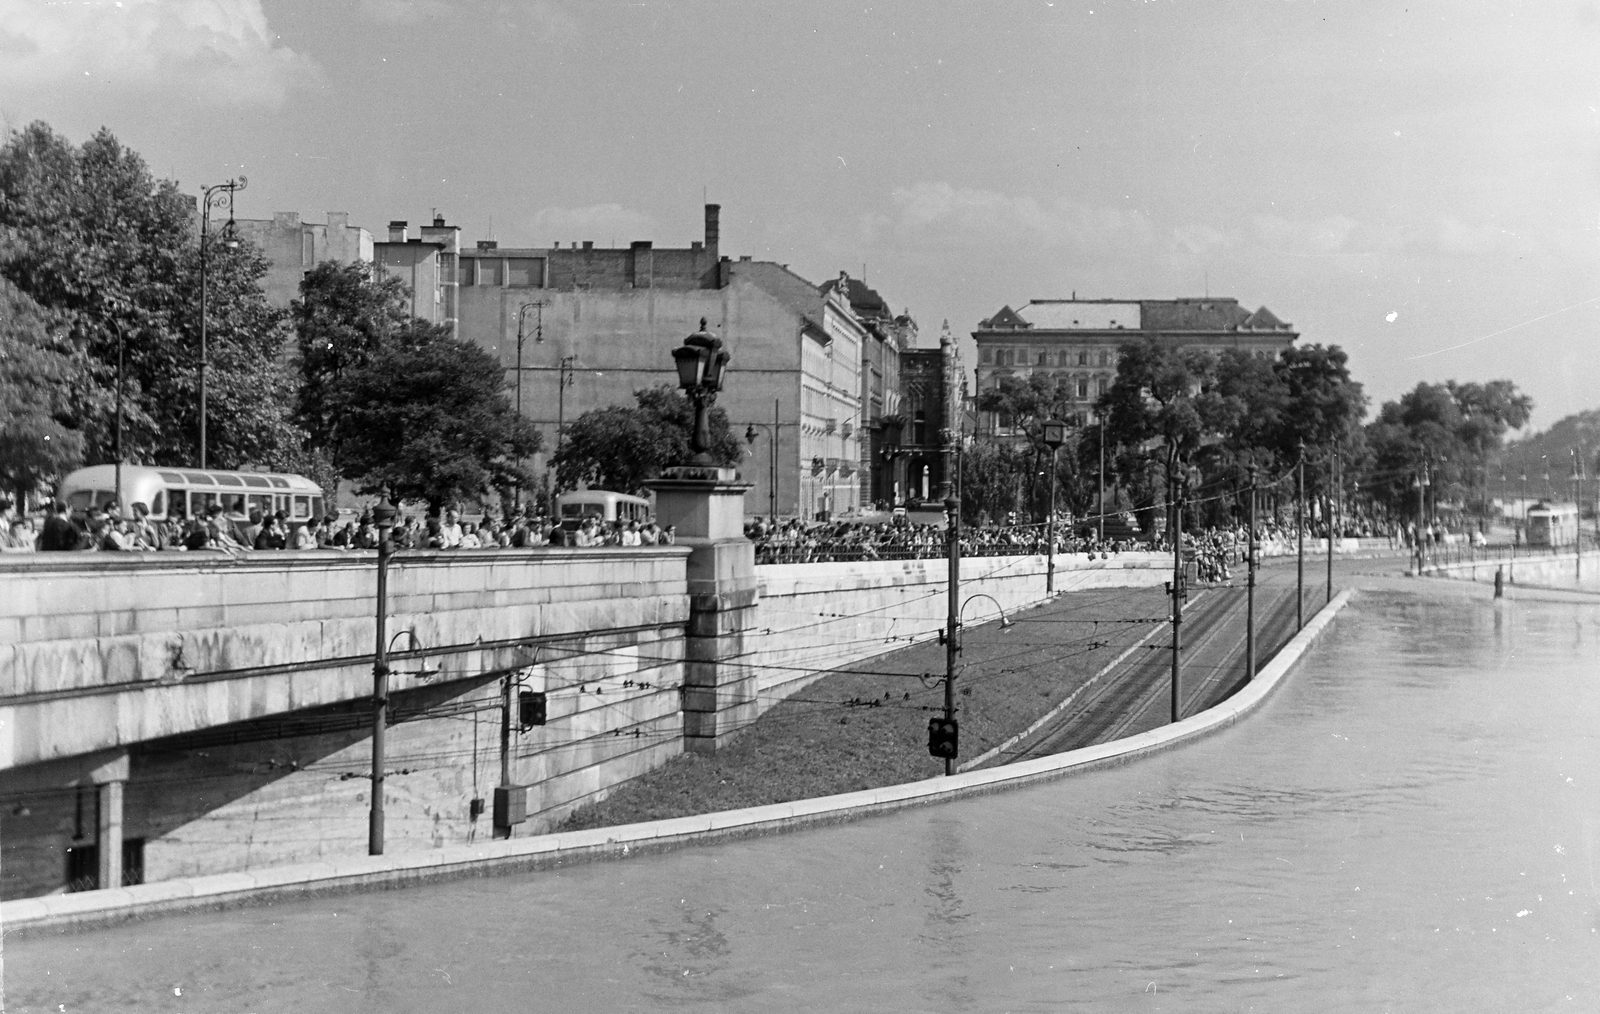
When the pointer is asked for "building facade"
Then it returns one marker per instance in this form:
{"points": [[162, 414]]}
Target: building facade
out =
{"points": [[293, 247], [888, 337], [429, 264], [597, 324], [1078, 339], [933, 385]]}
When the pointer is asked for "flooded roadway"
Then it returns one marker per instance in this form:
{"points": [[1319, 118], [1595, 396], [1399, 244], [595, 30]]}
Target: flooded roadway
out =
{"points": [[1411, 823]]}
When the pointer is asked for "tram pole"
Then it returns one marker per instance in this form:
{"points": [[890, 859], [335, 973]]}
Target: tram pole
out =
{"points": [[1250, 588], [1333, 466], [1300, 529], [384, 514], [1175, 502]]}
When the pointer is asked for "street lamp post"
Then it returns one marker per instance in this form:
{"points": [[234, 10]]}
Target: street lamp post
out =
{"points": [[383, 514], [1175, 496], [122, 510], [1101, 426], [538, 339], [702, 367], [1330, 500], [772, 459], [212, 196], [1055, 434]]}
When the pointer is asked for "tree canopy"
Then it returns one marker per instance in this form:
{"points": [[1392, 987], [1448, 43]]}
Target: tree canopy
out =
{"points": [[89, 235], [620, 447], [36, 372]]}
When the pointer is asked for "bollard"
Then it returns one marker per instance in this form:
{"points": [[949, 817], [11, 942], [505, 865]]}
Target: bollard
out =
{"points": [[1499, 582]]}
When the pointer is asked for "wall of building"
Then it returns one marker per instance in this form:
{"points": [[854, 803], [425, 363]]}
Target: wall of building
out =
{"points": [[292, 247], [622, 341]]}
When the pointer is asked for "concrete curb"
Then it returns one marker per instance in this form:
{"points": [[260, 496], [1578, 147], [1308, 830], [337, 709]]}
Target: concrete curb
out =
{"points": [[91, 908]]}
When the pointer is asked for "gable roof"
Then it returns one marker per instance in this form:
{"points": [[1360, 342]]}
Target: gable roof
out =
{"points": [[1007, 317]]}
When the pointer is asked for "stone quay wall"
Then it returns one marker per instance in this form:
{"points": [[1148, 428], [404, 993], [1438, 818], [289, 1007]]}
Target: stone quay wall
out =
{"points": [[222, 706]]}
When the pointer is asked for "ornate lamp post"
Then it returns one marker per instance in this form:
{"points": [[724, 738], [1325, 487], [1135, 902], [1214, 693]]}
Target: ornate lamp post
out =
{"points": [[213, 196], [538, 339], [750, 435], [1055, 434], [384, 514], [702, 366]]}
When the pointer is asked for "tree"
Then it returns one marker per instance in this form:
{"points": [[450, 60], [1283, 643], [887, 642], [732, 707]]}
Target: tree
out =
{"points": [[1026, 404], [343, 316], [93, 238], [426, 417], [618, 448], [35, 374]]}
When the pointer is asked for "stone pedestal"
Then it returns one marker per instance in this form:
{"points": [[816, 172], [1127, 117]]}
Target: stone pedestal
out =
{"points": [[706, 506]]}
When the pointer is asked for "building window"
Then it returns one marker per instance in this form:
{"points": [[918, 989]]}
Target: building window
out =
{"points": [[1083, 387], [1083, 358], [1043, 356], [524, 272], [447, 268], [1064, 359], [490, 271], [986, 356], [469, 267], [1105, 384], [919, 428]]}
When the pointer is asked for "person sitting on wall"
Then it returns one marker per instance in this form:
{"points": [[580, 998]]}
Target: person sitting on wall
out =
{"points": [[309, 535], [219, 531], [271, 535]]}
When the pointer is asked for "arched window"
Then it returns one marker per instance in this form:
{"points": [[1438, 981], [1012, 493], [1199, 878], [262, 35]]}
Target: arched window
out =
{"points": [[919, 428]]}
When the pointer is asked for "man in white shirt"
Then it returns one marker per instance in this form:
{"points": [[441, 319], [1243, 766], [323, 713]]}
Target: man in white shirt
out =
{"points": [[450, 532]]}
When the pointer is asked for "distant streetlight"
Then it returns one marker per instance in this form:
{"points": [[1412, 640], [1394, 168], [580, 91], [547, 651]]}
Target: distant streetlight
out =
{"points": [[538, 339], [1055, 434], [213, 196], [750, 435]]}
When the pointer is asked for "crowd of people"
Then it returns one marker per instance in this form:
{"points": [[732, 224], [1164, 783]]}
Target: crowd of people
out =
{"points": [[107, 529], [798, 542]]}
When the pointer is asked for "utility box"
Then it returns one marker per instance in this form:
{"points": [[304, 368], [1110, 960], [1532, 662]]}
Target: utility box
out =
{"points": [[511, 805]]}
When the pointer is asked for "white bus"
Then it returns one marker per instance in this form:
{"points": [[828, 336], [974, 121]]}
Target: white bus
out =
{"points": [[190, 492], [577, 504]]}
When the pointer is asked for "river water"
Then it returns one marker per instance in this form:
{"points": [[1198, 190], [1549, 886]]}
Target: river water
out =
{"points": [[1412, 823]]}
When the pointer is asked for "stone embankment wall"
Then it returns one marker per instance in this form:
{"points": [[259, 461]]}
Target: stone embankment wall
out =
{"points": [[1559, 570], [817, 616], [229, 700]]}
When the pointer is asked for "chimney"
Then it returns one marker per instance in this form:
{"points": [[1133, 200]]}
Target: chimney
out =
{"points": [[397, 232], [488, 244], [713, 228], [438, 221], [588, 244]]}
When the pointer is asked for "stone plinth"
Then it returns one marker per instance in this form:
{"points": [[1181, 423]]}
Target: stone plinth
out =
{"points": [[706, 507]]}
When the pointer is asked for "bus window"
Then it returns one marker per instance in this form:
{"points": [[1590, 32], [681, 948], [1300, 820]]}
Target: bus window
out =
{"points": [[316, 506], [302, 507], [80, 500], [177, 502], [158, 508], [280, 503], [261, 502]]}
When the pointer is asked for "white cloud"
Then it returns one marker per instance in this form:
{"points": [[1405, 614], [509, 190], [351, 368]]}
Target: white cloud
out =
{"points": [[988, 213], [217, 51], [605, 224], [405, 12]]}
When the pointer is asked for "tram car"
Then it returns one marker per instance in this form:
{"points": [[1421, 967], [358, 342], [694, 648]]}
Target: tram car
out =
{"points": [[190, 492], [1552, 525]]}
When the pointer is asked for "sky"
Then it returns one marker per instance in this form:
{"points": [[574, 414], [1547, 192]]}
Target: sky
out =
{"points": [[1418, 183]]}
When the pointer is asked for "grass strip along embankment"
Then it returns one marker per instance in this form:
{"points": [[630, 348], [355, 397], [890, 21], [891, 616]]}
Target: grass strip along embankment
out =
{"points": [[866, 726]]}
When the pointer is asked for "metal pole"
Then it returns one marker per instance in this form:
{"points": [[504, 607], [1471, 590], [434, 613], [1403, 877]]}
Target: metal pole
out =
{"points": [[205, 363], [561, 399], [1327, 503], [122, 510], [772, 493], [952, 640], [1175, 505], [505, 731], [1422, 543], [1050, 532], [380, 696], [1300, 528], [1102, 538], [1250, 588]]}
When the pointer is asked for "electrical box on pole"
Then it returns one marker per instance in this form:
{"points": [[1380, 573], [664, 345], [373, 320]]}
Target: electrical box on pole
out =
{"points": [[510, 806], [530, 709], [943, 738]]}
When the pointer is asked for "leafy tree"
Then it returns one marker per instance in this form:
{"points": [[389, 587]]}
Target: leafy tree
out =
{"points": [[96, 240], [343, 316], [1027, 403], [425, 417], [35, 376], [618, 448]]}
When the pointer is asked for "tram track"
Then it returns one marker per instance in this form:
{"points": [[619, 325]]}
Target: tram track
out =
{"points": [[1134, 697]]}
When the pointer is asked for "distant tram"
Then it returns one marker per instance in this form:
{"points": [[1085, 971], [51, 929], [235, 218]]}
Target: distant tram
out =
{"points": [[1552, 524], [190, 492]]}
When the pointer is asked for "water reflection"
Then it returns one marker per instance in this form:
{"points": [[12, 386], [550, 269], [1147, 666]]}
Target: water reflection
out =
{"points": [[1409, 824]]}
